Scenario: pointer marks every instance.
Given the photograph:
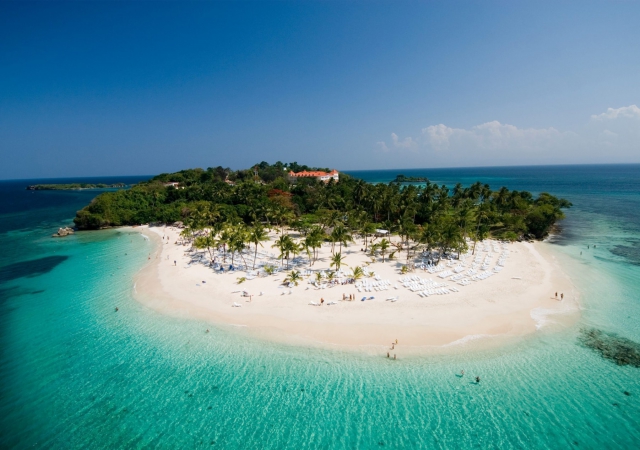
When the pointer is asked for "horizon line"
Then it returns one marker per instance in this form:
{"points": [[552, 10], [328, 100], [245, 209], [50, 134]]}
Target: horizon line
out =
{"points": [[343, 171]]}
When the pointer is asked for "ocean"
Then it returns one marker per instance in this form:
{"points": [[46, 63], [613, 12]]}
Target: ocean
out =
{"points": [[76, 374]]}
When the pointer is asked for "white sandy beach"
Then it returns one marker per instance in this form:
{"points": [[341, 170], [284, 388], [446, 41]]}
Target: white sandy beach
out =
{"points": [[516, 301]]}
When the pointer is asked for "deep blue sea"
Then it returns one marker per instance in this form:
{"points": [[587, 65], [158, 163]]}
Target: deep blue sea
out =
{"points": [[75, 374]]}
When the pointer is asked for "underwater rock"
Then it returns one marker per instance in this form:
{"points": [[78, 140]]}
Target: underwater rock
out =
{"points": [[622, 351]]}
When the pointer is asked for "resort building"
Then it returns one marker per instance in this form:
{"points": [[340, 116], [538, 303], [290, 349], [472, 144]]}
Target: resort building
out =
{"points": [[319, 175]]}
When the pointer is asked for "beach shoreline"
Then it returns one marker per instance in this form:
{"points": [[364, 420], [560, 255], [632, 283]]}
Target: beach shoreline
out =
{"points": [[513, 304]]}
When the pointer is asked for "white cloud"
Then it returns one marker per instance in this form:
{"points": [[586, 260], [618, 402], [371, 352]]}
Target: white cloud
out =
{"points": [[407, 142], [488, 136], [629, 112], [613, 136]]}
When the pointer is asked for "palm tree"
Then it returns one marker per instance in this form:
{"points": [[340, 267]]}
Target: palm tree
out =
{"points": [[367, 230], [293, 277], [341, 235], [287, 246], [331, 275], [306, 247], [481, 214], [383, 246], [337, 260], [357, 273], [314, 240], [207, 242], [237, 242], [407, 231], [257, 235], [226, 234]]}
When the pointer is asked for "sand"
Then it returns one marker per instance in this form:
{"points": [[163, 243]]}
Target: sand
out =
{"points": [[515, 302]]}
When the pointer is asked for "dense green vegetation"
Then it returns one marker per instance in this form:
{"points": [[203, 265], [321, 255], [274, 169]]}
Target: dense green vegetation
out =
{"points": [[252, 199], [73, 186], [405, 179]]}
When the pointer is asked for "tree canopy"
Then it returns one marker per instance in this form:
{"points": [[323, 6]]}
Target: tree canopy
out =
{"points": [[431, 214]]}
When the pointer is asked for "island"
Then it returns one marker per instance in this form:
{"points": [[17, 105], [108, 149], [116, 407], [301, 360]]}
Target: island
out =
{"points": [[74, 186], [405, 179], [298, 254]]}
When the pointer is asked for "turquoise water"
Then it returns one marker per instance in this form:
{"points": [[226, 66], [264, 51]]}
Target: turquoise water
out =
{"points": [[76, 374]]}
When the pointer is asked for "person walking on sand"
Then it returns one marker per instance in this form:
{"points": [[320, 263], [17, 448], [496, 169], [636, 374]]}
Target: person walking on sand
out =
{"points": [[556, 296], [387, 354], [394, 356], [175, 263], [561, 296], [321, 301]]}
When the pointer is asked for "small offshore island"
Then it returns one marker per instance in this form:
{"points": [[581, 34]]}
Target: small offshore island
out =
{"points": [[261, 247], [405, 179]]}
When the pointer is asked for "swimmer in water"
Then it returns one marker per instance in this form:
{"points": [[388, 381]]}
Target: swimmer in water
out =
{"points": [[477, 380], [116, 309]]}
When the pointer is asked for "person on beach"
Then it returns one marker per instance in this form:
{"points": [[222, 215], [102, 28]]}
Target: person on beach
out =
{"points": [[556, 296], [174, 263], [394, 356], [396, 342], [561, 296], [387, 354], [321, 301]]}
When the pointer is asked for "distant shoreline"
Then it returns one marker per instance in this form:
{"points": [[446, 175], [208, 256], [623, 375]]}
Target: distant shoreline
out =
{"points": [[75, 186]]}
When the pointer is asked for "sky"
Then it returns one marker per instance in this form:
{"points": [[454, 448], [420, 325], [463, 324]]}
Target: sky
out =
{"points": [[131, 88]]}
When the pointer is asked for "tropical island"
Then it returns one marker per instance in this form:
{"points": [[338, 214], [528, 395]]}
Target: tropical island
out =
{"points": [[429, 265], [405, 179], [74, 186], [270, 195]]}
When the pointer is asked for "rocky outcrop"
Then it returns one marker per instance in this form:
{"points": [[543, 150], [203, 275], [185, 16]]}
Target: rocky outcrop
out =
{"points": [[64, 231]]}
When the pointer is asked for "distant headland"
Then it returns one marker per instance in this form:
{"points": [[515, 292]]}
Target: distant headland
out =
{"points": [[74, 186], [405, 179]]}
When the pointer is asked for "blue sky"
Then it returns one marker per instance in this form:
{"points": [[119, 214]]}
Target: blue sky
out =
{"points": [[121, 88]]}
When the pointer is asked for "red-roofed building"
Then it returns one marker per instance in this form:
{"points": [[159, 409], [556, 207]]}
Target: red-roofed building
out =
{"points": [[321, 176]]}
